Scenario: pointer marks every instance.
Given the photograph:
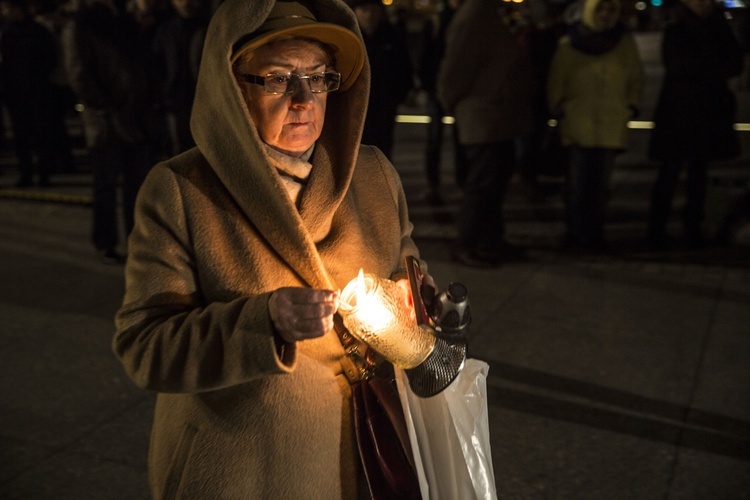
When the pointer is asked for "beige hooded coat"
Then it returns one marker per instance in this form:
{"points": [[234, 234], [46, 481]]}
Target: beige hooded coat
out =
{"points": [[215, 234]]}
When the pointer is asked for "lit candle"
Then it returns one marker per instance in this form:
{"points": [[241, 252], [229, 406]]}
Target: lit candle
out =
{"points": [[375, 311]]}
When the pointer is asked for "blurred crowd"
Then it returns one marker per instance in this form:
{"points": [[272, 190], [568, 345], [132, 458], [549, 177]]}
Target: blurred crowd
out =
{"points": [[508, 72], [129, 69]]}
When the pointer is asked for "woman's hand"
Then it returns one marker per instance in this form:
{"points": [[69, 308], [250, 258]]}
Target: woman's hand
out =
{"points": [[406, 287], [302, 313]]}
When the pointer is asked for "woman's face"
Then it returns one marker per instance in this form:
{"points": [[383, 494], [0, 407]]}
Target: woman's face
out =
{"points": [[289, 123], [605, 15]]}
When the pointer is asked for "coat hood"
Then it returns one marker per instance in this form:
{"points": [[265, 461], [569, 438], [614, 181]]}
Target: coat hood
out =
{"points": [[589, 9], [227, 138]]}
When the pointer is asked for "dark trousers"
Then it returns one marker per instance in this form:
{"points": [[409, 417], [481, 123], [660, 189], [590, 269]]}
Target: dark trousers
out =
{"points": [[530, 149], [62, 100], [587, 194], [480, 221], [129, 162], [663, 193], [433, 152], [29, 118]]}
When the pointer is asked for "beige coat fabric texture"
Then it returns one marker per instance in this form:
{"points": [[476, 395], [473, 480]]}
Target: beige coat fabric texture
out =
{"points": [[484, 79], [215, 234], [593, 96]]}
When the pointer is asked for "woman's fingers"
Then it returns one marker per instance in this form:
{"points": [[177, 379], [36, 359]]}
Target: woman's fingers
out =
{"points": [[302, 313]]}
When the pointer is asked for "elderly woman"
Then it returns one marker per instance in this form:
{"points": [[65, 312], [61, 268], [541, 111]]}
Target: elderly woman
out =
{"points": [[238, 249]]}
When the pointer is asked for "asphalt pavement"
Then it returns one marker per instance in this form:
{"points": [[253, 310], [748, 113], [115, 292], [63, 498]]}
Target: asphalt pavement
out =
{"points": [[622, 375]]}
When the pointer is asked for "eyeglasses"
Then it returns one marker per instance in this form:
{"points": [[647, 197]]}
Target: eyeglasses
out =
{"points": [[288, 83]]}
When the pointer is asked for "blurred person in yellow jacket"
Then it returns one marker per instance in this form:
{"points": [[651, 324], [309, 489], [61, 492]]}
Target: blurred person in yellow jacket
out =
{"points": [[594, 88]]}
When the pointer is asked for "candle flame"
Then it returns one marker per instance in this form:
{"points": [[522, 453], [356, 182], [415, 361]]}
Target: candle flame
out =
{"points": [[370, 307], [374, 311], [360, 290]]}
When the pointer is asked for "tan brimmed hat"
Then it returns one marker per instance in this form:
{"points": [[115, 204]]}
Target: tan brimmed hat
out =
{"points": [[291, 18]]}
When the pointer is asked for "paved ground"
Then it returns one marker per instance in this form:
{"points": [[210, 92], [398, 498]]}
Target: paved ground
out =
{"points": [[619, 376]]}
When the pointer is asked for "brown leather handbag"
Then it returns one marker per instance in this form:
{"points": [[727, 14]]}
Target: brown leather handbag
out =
{"points": [[379, 423]]}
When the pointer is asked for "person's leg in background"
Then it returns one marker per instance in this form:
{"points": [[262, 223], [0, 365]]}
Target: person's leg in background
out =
{"points": [[459, 159], [600, 165], [695, 207], [137, 165], [586, 196], [433, 151], [575, 197], [43, 138], [661, 202], [21, 123], [106, 167], [481, 229], [61, 102]]}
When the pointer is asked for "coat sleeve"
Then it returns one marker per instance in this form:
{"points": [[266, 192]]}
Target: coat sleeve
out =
{"points": [[169, 338]]}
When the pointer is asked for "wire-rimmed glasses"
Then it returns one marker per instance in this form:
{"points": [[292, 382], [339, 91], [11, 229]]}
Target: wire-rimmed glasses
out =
{"points": [[287, 83]]}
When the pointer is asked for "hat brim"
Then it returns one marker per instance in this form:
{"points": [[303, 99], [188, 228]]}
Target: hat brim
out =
{"points": [[348, 48]]}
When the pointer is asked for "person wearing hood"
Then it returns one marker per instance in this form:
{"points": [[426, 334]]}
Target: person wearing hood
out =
{"points": [[694, 116], [595, 86], [239, 248]]}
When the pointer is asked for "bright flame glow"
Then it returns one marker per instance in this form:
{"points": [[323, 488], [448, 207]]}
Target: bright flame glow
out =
{"points": [[370, 307], [374, 311]]}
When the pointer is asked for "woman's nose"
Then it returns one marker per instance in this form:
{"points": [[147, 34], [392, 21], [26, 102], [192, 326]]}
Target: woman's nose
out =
{"points": [[302, 93]]}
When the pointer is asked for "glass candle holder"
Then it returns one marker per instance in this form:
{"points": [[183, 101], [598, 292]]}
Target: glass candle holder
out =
{"points": [[374, 310]]}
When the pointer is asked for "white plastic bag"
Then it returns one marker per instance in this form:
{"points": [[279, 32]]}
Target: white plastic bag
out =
{"points": [[450, 436]]}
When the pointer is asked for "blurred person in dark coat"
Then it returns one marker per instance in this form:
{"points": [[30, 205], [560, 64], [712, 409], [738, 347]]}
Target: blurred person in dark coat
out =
{"points": [[431, 54], [694, 115], [541, 153], [148, 16], [61, 98], [178, 45], [105, 67], [484, 82], [392, 72], [28, 55]]}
